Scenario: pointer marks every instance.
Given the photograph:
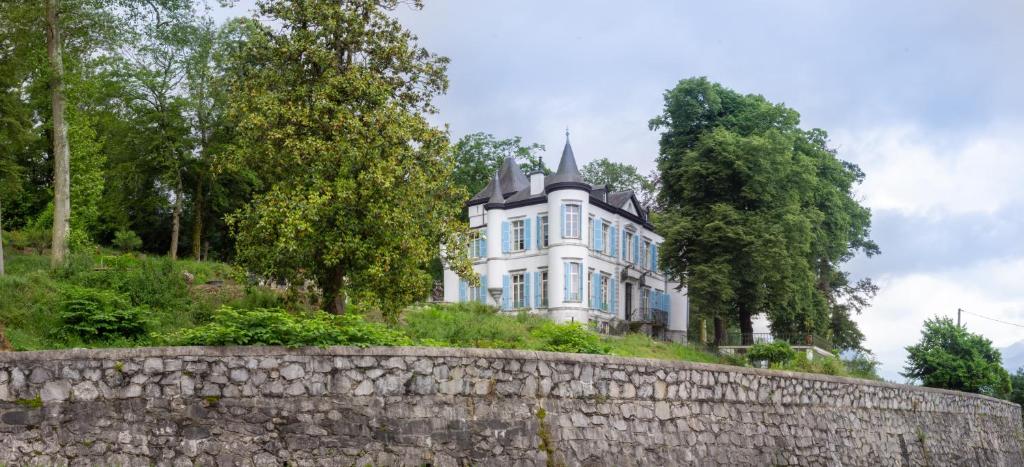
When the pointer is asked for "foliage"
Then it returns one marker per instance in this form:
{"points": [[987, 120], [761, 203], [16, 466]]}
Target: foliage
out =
{"points": [[569, 337], [1017, 382], [469, 324], [331, 107], [862, 365], [643, 346], [126, 240], [94, 314], [231, 326], [950, 357], [621, 176], [478, 156], [820, 365], [758, 214], [775, 353]]}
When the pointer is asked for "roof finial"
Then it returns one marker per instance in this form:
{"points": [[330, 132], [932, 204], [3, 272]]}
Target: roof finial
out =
{"points": [[567, 132]]}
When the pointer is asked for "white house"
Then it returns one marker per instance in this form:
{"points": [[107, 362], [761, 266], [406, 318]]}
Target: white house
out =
{"points": [[560, 246]]}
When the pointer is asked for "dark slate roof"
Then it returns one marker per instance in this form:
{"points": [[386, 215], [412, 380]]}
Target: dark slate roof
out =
{"points": [[512, 177], [567, 172], [619, 198], [496, 196]]}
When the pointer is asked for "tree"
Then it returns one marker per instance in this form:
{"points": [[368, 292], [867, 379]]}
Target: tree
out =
{"points": [[330, 106], [949, 357], [620, 176], [1017, 383], [61, 155], [479, 155], [758, 214]]}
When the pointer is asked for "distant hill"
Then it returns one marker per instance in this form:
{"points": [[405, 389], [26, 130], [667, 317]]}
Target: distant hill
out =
{"points": [[1013, 357]]}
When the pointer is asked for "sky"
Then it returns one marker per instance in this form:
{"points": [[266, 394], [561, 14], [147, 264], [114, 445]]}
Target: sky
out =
{"points": [[926, 96]]}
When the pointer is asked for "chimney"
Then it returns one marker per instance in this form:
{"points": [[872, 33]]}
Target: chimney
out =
{"points": [[536, 182]]}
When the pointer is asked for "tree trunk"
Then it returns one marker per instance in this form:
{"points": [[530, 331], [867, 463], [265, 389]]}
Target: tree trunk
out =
{"points": [[206, 250], [719, 331], [334, 293], [746, 325], [197, 222], [1, 240], [61, 155], [176, 223]]}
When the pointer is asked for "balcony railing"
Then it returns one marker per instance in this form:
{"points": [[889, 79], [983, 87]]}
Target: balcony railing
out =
{"points": [[655, 316]]}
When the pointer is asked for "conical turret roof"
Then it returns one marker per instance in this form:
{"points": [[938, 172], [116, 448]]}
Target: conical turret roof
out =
{"points": [[568, 172]]}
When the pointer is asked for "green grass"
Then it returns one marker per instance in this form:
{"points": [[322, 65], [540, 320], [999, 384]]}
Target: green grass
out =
{"points": [[33, 298], [640, 345], [31, 295]]}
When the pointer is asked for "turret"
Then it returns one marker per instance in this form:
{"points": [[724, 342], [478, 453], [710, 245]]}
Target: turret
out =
{"points": [[495, 210], [568, 204]]}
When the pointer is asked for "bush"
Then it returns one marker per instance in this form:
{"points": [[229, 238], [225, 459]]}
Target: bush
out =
{"points": [[94, 315], [820, 365], [470, 325], [571, 337], [274, 326], [862, 365], [126, 240], [34, 238], [775, 353]]}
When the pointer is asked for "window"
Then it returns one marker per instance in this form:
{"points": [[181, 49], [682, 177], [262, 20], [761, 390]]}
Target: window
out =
{"points": [[518, 290], [518, 235], [543, 289], [571, 225], [477, 245], [627, 247], [605, 289], [590, 289], [479, 294], [605, 246], [543, 222], [573, 287], [645, 294], [645, 249]]}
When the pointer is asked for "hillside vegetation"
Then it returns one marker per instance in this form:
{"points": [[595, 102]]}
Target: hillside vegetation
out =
{"points": [[125, 300]]}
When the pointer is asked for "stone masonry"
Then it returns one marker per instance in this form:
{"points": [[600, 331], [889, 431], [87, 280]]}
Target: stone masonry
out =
{"points": [[267, 406]]}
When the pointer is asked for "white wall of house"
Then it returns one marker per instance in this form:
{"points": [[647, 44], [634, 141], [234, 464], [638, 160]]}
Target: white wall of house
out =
{"points": [[496, 265]]}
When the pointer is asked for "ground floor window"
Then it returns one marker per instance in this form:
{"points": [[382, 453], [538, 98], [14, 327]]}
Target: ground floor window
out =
{"points": [[543, 289], [573, 289], [605, 291], [518, 290]]}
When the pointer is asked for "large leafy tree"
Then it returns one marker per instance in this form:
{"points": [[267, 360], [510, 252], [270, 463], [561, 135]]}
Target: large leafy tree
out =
{"points": [[950, 357], [621, 176], [758, 214], [331, 108], [479, 155]]}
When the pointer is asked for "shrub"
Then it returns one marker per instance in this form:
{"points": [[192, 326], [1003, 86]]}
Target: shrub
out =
{"points": [[126, 240], [571, 337], [31, 237], [862, 365], [775, 353], [821, 365], [150, 281], [274, 326], [469, 325], [93, 315]]}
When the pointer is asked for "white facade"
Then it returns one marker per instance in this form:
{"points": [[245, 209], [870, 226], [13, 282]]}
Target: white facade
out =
{"points": [[597, 262]]}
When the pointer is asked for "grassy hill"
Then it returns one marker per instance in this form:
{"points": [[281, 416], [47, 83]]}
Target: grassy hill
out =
{"points": [[109, 299]]}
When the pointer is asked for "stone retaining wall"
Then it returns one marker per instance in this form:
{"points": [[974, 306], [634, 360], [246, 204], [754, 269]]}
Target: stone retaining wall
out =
{"points": [[416, 406]]}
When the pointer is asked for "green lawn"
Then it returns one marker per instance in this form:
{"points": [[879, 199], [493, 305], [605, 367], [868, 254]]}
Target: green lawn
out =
{"points": [[138, 300]]}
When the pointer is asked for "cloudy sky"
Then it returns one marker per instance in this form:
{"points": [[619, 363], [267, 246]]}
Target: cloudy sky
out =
{"points": [[925, 96]]}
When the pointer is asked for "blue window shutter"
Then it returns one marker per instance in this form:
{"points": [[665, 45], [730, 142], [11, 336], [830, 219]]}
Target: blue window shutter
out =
{"points": [[654, 257], [536, 289], [526, 290], [615, 295], [526, 234], [504, 238], [636, 249], [563, 222], [598, 246], [579, 289], [504, 292], [483, 289], [565, 283], [482, 247], [462, 290], [540, 234], [613, 237]]}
